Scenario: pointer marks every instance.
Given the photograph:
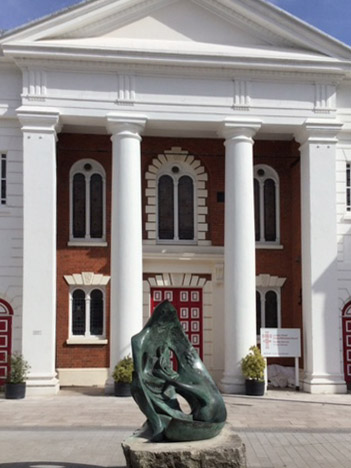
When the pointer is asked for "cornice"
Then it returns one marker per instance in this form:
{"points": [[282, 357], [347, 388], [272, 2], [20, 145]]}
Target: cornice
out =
{"points": [[294, 30], [160, 62], [231, 14], [269, 22]]}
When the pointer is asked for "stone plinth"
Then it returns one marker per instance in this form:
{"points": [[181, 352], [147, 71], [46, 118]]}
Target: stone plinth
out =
{"points": [[224, 451]]}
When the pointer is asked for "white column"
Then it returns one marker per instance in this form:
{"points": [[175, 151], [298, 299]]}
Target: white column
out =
{"points": [[39, 248], [239, 251], [322, 360], [126, 236]]}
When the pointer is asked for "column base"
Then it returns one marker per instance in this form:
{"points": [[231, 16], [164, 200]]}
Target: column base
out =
{"points": [[43, 385], [109, 386], [324, 384], [232, 384]]}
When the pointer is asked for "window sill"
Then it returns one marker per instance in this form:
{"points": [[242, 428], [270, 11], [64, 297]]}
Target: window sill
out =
{"points": [[347, 216], [176, 242], [87, 341], [266, 245], [83, 243]]}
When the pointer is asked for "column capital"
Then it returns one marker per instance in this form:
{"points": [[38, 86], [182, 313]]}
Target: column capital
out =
{"points": [[44, 120], [232, 128], [323, 131], [125, 123]]}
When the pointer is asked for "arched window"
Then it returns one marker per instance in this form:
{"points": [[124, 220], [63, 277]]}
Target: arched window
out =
{"points": [[175, 205], [87, 199], [266, 195], [87, 313], [78, 312], [176, 192], [267, 308]]}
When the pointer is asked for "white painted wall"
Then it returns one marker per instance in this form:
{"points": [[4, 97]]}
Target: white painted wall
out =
{"points": [[11, 231]]}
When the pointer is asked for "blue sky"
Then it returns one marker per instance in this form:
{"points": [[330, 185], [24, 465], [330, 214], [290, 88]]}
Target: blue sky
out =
{"points": [[331, 16]]}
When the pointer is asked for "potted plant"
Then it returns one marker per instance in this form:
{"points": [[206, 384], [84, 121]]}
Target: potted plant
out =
{"points": [[122, 376], [15, 387], [252, 367]]}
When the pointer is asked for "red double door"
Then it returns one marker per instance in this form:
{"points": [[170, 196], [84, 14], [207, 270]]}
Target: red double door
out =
{"points": [[188, 303], [5, 340], [346, 327]]}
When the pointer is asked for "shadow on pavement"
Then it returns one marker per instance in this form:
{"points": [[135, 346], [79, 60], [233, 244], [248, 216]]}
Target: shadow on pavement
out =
{"points": [[43, 464]]}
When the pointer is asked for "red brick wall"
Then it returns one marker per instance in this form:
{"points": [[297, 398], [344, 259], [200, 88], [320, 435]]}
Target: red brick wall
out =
{"points": [[281, 155], [72, 148], [284, 157]]}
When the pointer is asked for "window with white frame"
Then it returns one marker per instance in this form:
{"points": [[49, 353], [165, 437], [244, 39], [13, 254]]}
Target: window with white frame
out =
{"points": [[3, 179], [87, 202], [266, 195], [348, 187], [175, 205], [268, 308], [87, 313]]}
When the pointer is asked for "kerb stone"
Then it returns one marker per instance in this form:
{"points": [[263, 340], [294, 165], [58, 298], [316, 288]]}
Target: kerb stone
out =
{"points": [[224, 451]]}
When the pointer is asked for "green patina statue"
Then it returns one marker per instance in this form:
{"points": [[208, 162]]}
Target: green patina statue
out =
{"points": [[156, 382]]}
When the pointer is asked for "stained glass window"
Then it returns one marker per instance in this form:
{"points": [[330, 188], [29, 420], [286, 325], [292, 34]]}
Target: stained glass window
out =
{"points": [[78, 312], [266, 198], [96, 206], [186, 208], [271, 310], [87, 312], [96, 312], [79, 205], [165, 208], [175, 198], [3, 179], [269, 211], [88, 201]]}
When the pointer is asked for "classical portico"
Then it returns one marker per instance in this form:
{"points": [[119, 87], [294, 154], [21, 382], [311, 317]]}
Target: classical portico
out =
{"points": [[127, 71], [318, 141]]}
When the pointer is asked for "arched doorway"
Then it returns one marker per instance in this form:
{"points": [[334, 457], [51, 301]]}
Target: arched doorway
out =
{"points": [[6, 313], [346, 331]]}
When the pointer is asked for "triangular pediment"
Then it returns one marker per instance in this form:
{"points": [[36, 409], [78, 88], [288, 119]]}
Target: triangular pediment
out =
{"points": [[218, 26], [180, 20]]}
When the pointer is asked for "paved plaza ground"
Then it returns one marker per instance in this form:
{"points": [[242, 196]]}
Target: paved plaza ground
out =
{"points": [[82, 428]]}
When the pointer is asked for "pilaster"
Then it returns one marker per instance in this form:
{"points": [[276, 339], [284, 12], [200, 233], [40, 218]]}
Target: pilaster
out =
{"points": [[322, 363], [39, 247]]}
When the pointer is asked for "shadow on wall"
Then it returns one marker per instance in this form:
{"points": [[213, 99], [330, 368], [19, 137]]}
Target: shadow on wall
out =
{"points": [[325, 316]]}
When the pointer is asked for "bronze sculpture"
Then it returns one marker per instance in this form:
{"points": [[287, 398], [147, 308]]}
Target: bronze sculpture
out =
{"points": [[156, 383]]}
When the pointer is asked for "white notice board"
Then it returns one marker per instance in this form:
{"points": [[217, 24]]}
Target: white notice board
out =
{"points": [[281, 342]]}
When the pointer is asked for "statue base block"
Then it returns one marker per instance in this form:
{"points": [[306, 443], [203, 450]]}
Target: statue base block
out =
{"points": [[224, 451]]}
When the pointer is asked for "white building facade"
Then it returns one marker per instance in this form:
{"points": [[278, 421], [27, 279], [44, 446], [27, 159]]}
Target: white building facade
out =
{"points": [[231, 72]]}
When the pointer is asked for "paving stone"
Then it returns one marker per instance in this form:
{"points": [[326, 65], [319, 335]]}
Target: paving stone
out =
{"points": [[78, 430]]}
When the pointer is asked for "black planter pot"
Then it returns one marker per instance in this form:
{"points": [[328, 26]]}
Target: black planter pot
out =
{"points": [[122, 389], [254, 387], [15, 391]]}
